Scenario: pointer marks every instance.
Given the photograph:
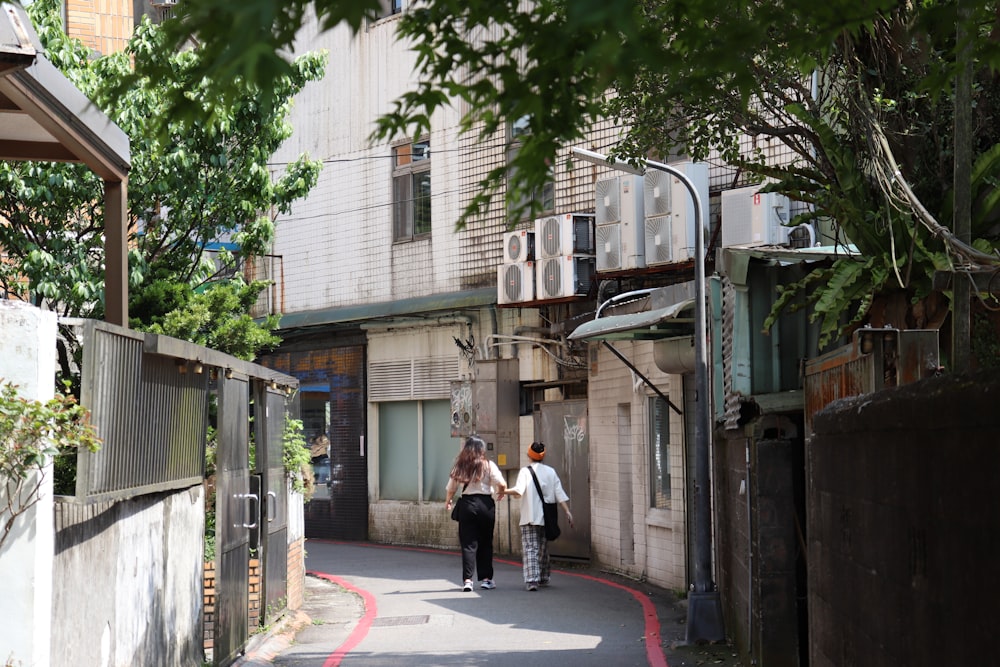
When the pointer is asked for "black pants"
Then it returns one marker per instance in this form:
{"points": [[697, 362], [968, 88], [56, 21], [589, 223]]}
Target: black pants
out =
{"points": [[476, 519]]}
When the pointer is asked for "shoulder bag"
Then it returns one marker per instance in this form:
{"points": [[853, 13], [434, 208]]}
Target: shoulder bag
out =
{"points": [[454, 508], [550, 511]]}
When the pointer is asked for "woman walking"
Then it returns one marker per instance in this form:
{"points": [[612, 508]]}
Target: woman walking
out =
{"points": [[478, 478]]}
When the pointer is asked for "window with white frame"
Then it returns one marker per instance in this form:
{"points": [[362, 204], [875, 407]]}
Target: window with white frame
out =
{"points": [[544, 195], [659, 453], [416, 450], [411, 191]]}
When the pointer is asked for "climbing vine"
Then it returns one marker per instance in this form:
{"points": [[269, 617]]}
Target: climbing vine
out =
{"points": [[295, 457]]}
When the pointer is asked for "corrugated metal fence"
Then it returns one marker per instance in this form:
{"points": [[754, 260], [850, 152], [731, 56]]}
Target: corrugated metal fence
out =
{"points": [[149, 399]]}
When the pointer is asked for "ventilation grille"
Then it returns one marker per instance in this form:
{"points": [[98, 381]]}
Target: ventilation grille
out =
{"points": [[657, 186], [609, 247], [658, 249], [608, 201], [408, 380]]}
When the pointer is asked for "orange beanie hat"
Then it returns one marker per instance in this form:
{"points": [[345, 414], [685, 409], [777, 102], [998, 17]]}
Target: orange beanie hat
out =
{"points": [[537, 451]]}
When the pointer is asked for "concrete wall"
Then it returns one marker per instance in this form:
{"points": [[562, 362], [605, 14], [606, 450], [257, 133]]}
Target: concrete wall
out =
{"points": [[130, 581], [904, 526], [27, 359], [430, 525]]}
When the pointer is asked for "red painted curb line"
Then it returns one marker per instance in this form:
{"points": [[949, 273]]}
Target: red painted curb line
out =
{"points": [[651, 633], [361, 629]]}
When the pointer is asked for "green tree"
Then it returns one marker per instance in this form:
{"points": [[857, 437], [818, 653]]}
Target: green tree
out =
{"points": [[870, 128], [190, 185], [875, 146]]}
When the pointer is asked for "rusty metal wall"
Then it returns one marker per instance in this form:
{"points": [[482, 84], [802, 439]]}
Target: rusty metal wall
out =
{"points": [[875, 359]]}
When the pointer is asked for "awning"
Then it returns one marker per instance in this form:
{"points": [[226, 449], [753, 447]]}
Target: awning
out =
{"points": [[669, 322], [45, 117]]}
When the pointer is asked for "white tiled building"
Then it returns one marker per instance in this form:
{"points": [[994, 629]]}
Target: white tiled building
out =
{"points": [[380, 293]]}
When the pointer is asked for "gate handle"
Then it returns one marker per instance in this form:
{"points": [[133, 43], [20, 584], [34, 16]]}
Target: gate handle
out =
{"points": [[239, 496], [272, 500], [254, 497]]}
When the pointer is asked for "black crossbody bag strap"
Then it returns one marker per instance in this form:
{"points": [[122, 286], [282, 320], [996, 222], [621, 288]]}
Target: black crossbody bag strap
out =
{"points": [[538, 486]]}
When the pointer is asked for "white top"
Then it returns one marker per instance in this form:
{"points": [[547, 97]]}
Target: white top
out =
{"points": [[531, 506], [487, 484]]}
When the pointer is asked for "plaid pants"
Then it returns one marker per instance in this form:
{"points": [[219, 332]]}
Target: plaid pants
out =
{"points": [[536, 564]]}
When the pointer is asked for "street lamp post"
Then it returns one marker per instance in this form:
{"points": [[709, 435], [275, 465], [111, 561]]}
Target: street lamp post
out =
{"points": [[704, 620]]}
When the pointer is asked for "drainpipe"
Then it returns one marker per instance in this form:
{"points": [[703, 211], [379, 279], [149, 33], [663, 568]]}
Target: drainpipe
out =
{"points": [[417, 321], [747, 488], [519, 331], [496, 328]]}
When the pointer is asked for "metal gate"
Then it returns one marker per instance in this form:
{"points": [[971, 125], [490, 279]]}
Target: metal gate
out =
{"points": [[270, 428], [236, 513], [562, 426]]}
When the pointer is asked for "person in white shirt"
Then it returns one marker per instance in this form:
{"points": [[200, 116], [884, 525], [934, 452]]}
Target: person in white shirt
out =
{"points": [[535, 548], [479, 478]]}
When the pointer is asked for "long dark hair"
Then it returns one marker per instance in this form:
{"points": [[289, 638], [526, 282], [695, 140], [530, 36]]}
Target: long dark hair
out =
{"points": [[471, 463]]}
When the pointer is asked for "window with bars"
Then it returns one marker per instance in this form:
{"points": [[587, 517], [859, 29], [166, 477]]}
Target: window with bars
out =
{"points": [[659, 453], [544, 196], [411, 191]]}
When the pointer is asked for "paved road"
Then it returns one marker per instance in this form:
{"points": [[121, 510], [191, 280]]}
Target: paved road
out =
{"points": [[370, 605]]}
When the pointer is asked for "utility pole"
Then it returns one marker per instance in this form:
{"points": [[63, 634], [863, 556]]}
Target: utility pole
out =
{"points": [[704, 619], [961, 323]]}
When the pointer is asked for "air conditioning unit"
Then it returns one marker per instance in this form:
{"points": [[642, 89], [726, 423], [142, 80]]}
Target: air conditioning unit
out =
{"points": [[563, 276], [802, 236], [657, 190], [750, 216], [516, 282], [669, 213], [519, 246], [668, 240], [619, 236], [565, 234]]}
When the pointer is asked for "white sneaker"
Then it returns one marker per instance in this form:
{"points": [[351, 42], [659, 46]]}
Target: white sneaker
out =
{"points": [[487, 584], [468, 586]]}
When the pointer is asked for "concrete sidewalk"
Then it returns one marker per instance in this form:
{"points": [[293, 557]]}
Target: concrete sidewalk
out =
{"points": [[370, 605]]}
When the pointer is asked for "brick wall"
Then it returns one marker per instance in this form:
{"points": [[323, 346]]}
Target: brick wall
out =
{"points": [[296, 574], [253, 597], [103, 25], [209, 588], [253, 604]]}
